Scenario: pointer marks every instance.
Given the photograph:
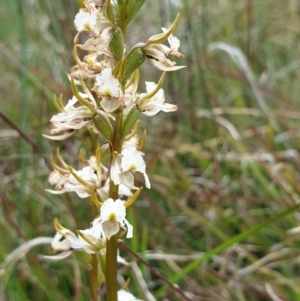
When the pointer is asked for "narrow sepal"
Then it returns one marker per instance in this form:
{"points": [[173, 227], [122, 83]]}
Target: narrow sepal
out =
{"points": [[159, 38], [130, 201]]}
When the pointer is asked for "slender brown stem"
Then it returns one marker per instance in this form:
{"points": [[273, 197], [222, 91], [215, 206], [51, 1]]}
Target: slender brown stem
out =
{"points": [[154, 272], [26, 138]]}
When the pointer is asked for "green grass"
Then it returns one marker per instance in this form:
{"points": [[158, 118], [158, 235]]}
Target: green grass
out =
{"points": [[224, 169]]}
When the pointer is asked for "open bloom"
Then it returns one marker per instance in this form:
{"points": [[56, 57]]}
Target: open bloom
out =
{"points": [[109, 88], [112, 217], [71, 118], [125, 296], [157, 53], [99, 28], [82, 182], [86, 174], [85, 21], [152, 106], [125, 164], [90, 240]]}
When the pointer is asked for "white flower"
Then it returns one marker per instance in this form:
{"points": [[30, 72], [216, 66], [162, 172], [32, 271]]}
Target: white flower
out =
{"points": [[100, 30], [125, 296], [58, 244], [88, 175], [85, 21], [112, 216], [58, 180], [91, 178], [107, 85], [155, 104], [109, 88], [71, 118], [98, 42], [125, 164], [157, 53], [90, 240], [133, 141]]}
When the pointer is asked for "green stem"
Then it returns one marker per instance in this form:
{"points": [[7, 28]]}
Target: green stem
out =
{"points": [[111, 268], [112, 243], [93, 277]]}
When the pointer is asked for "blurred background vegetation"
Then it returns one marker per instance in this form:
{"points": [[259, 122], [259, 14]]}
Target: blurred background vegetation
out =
{"points": [[221, 218]]}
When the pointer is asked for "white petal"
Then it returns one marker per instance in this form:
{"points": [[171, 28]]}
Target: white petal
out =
{"points": [[107, 85], [147, 182], [116, 170], [59, 137], [151, 109], [58, 257], [59, 243], [127, 179], [132, 160], [110, 228], [85, 21], [164, 67], [109, 105], [129, 229], [56, 191], [125, 296]]}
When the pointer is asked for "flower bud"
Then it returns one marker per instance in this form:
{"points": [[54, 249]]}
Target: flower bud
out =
{"points": [[103, 125], [117, 43], [134, 59], [129, 119]]}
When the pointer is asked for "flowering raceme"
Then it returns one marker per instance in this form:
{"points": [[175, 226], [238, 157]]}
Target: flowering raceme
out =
{"points": [[105, 107]]}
